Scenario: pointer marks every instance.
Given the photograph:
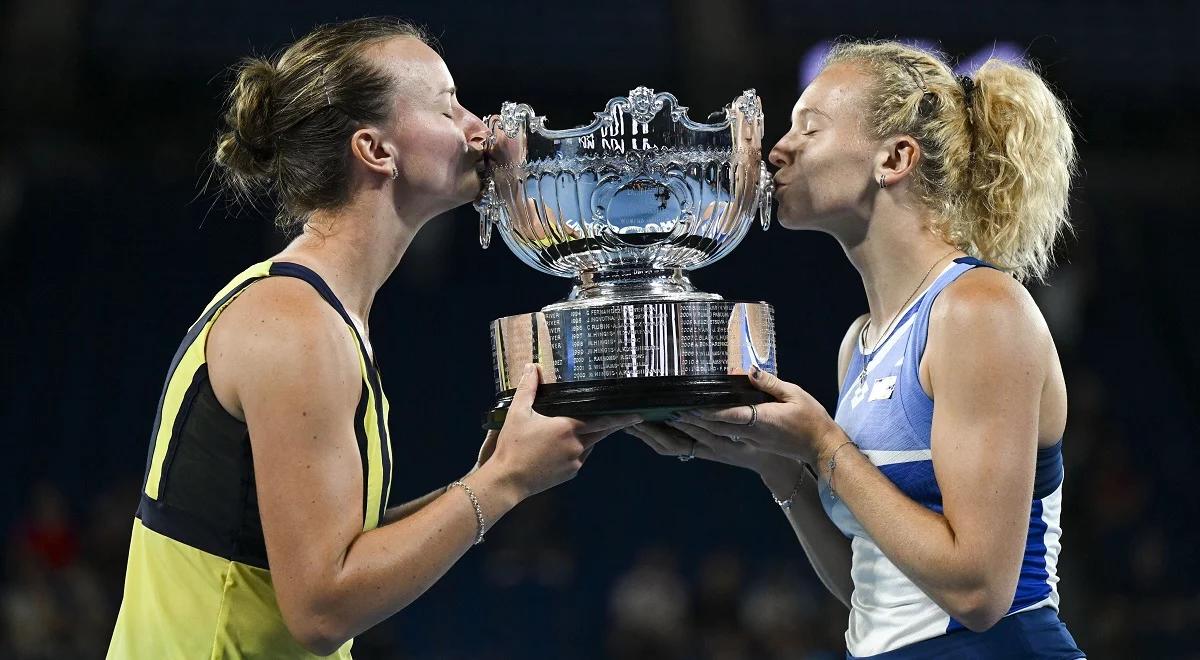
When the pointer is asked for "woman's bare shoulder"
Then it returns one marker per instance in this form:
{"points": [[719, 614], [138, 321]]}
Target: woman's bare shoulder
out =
{"points": [[279, 330]]}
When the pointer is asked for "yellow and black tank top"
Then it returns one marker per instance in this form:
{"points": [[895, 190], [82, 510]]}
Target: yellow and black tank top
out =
{"points": [[198, 584]]}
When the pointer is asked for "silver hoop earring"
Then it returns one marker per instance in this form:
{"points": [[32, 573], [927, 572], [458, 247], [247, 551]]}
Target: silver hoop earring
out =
{"points": [[882, 183], [395, 173]]}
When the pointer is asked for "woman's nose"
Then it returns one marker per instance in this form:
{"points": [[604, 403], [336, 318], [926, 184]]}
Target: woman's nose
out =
{"points": [[777, 156], [475, 130]]}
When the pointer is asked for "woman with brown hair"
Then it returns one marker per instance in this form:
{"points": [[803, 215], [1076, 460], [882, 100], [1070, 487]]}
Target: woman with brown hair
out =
{"points": [[935, 514], [263, 529]]}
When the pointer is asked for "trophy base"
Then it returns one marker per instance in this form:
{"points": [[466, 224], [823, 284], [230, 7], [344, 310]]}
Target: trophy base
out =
{"points": [[655, 398], [651, 357]]}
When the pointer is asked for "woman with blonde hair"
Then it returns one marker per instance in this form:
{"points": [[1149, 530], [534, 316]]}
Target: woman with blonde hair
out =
{"points": [[263, 529], [935, 511]]}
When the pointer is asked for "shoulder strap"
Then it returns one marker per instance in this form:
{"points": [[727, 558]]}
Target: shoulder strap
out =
{"points": [[289, 269], [920, 331], [372, 513]]}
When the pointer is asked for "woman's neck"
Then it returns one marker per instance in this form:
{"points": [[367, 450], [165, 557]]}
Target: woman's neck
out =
{"points": [[896, 252], [354, 249]]}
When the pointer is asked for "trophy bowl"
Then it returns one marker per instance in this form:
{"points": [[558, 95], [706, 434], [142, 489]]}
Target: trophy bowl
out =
{"points": [[626, 206]]}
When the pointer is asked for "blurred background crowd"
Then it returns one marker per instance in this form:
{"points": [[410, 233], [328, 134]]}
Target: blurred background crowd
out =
{"points": [[110, 246]]}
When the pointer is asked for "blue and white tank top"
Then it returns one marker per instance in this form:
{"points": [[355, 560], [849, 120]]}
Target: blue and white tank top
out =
{"points": [[889, 416]]}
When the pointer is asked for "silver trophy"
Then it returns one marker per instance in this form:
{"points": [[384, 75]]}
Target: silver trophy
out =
{"points": [[626, 206]]}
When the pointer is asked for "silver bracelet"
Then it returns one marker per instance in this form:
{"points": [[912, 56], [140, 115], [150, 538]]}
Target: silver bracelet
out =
{"points": [[786, 504], [832, 465], [478, 509]]}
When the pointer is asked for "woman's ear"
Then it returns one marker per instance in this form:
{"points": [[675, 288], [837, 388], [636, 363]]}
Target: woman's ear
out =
{"points": [[369, 148], [897, 160]]}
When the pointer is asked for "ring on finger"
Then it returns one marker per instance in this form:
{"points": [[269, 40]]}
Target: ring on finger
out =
{"points": [[753, 415], [684, 458]]}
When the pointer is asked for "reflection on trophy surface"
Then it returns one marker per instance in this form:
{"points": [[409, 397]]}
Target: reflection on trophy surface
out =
{"points": [[626, 206]]}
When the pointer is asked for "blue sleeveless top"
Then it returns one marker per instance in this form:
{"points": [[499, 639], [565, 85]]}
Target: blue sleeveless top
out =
{"points": [[883, 408]]}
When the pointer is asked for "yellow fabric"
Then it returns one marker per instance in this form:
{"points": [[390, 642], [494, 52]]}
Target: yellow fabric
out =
{"points": [[374, 455], [387, 410], [192, 359], [183, 602]]}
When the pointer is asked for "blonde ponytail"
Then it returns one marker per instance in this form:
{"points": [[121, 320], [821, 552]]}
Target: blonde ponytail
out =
{"points": [[998, 152], [1023, 158]]}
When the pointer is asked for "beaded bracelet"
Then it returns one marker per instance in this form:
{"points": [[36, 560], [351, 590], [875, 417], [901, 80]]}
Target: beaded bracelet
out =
{"points": [[478, 509]]}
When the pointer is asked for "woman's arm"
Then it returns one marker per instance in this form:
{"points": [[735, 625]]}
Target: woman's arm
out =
{"points": [[987, 358], [402, 511], [294, 369], [827, 549], [405, 510]]}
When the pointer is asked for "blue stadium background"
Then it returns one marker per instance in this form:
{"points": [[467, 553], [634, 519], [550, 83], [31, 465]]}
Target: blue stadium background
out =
{"points": [[109, 248]]}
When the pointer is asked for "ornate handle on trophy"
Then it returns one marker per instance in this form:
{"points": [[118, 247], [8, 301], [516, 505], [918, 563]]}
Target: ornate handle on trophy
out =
{"points": [[491, 209], [491, 212], [766, 195]]}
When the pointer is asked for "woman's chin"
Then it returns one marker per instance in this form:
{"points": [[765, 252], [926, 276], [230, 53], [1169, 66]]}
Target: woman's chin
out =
{"points": [[791, 218], [807, 217], [471, 188]]}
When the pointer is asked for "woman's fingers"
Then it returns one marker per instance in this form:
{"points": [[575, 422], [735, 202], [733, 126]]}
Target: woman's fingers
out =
{"points": [[678, 438], [696, 432], [664, 440], [526, 389], [740, 415], [721, 428], [650, 441], [727, 450], [586, 452], [768, 382], [607, 423], [589, 440]]}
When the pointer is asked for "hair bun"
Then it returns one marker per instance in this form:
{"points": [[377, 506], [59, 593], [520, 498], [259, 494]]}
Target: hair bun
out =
{"points": [[282, 141], [247, 148]]}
